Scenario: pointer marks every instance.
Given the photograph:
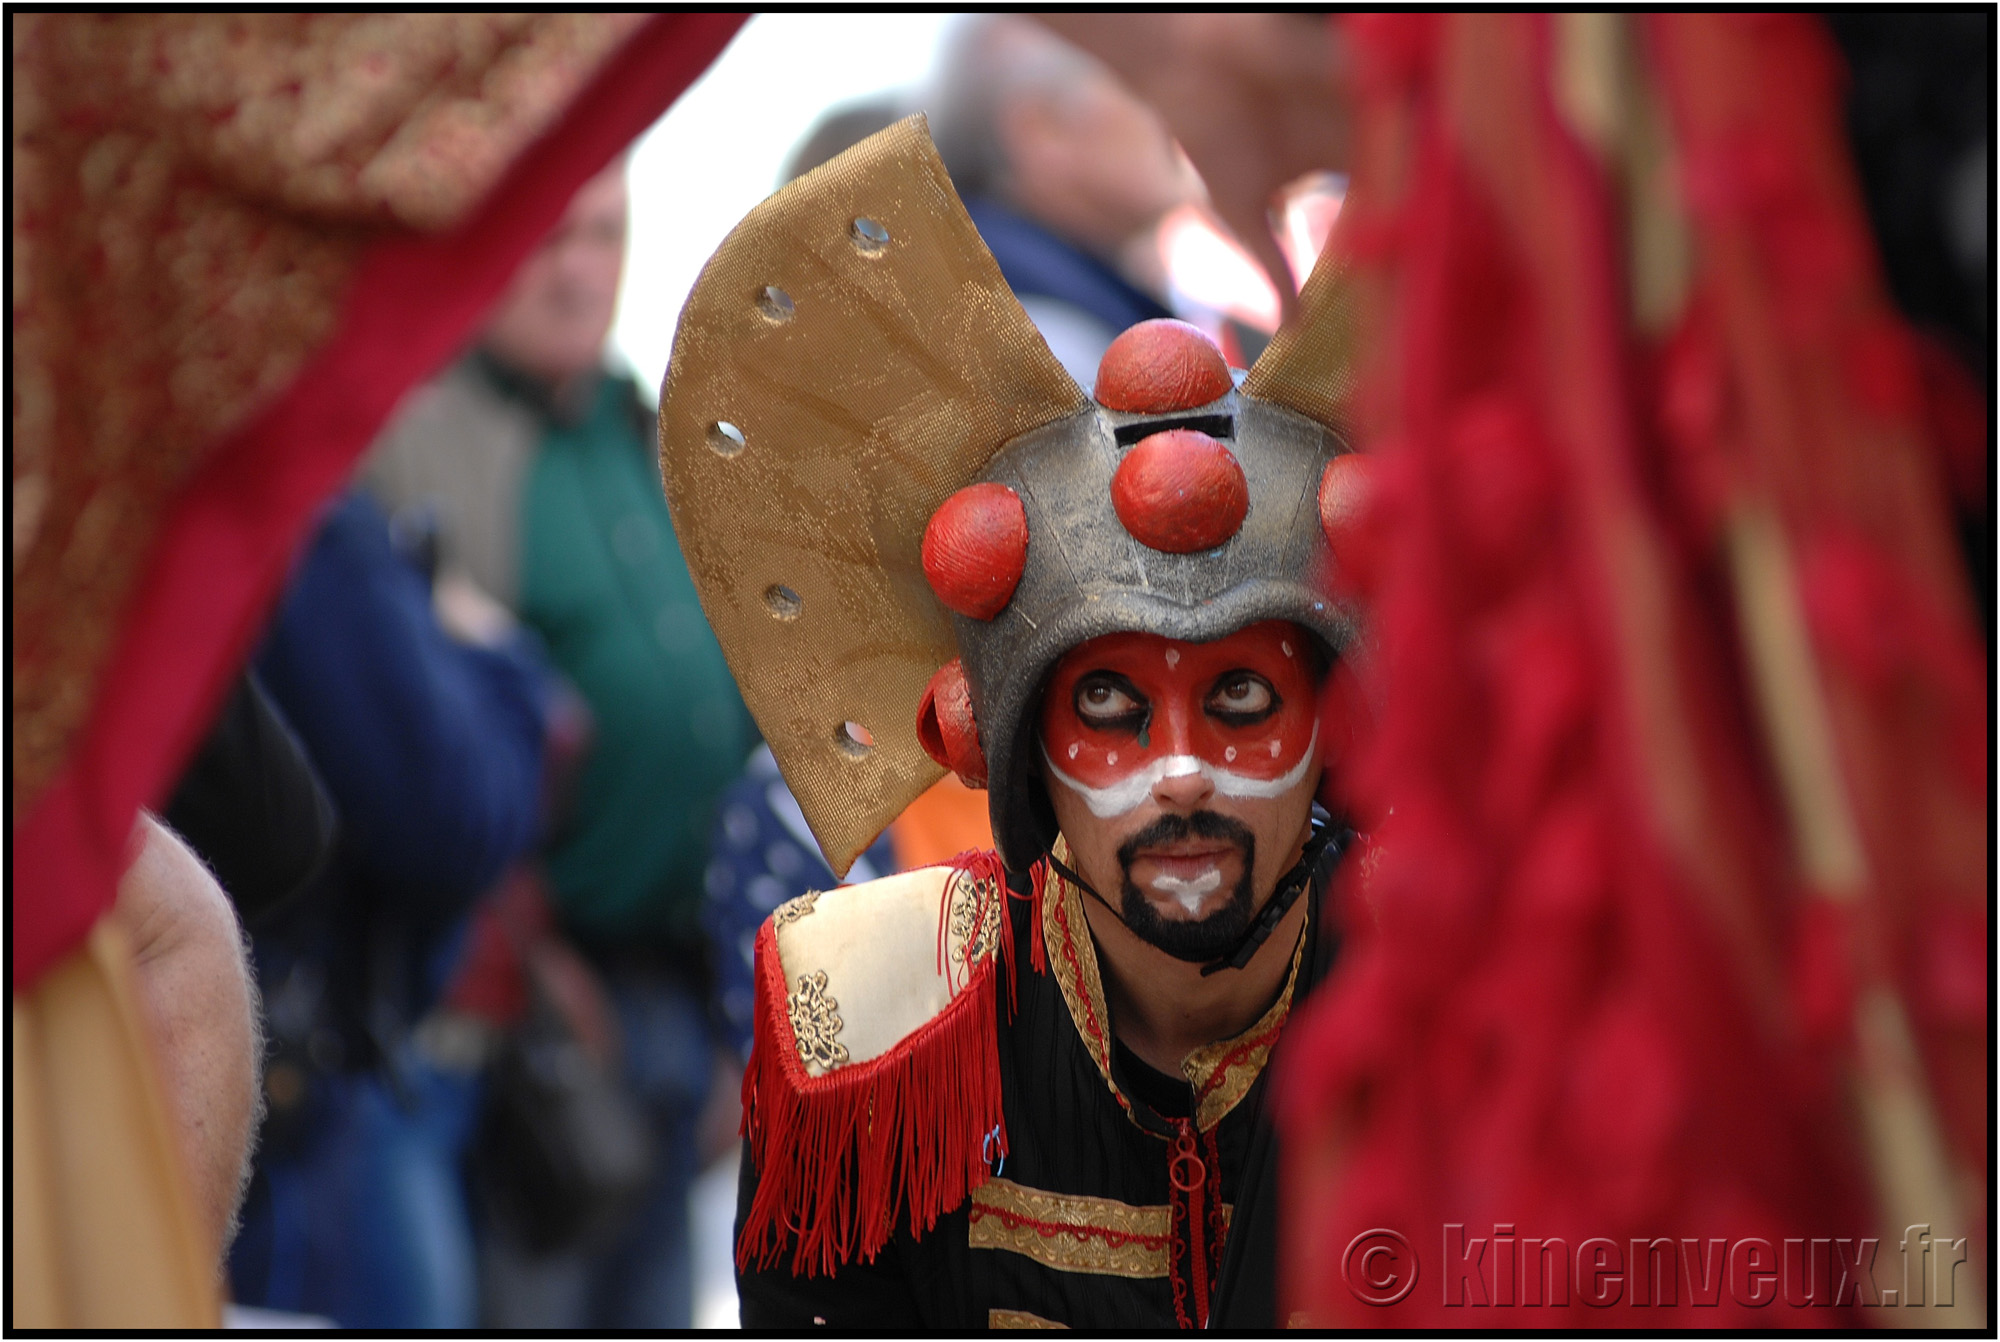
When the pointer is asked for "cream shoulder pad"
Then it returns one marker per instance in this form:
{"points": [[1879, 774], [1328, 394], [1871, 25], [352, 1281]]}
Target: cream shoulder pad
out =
{"points": [[864, 966]]}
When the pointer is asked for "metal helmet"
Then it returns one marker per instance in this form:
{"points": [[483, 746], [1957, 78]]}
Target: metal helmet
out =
{"points": [[1085, 573]]}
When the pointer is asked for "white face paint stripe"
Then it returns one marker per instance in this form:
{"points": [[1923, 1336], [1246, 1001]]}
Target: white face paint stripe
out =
{"points": [[1130, 793]]}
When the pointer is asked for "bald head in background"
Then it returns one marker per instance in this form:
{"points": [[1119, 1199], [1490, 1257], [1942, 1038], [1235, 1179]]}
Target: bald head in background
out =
{"points": [[1256, 99], [1024, 117]]}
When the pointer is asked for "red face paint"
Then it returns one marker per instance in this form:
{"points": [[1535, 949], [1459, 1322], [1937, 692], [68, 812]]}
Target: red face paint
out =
{"points": [[1123, 711]]}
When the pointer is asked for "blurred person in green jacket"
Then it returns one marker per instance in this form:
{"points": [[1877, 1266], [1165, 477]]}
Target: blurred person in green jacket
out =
{"points": [[534, 467]]}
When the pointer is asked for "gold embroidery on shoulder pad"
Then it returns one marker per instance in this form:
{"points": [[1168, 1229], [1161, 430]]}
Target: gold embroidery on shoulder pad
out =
{"points": [[973, 921], [816, 1023], [794, 909]]}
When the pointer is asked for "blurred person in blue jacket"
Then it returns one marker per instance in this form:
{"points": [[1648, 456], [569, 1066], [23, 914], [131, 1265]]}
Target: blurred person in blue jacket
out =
{"points": [[538, 463], [431, 748]]}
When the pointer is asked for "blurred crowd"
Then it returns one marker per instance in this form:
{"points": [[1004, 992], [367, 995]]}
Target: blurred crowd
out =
{"points": [[486, 798]]}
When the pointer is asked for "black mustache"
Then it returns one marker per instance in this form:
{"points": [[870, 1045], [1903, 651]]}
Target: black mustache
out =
{"points": [[1173, 828]]}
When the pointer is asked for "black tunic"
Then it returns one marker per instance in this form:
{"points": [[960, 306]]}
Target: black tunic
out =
{"points": [[1105, 1212]]}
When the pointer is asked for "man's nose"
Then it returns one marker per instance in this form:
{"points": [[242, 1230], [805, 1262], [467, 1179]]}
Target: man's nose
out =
{"points": [[1183, 791], [1185, 787]]}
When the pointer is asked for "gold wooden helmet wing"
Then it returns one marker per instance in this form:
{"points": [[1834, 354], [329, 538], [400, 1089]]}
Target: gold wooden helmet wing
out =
{"points": [[848, 359], [1310, 364]]}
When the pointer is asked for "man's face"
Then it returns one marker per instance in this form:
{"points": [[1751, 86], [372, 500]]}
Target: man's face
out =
{"points": [[1182, 775], [552, 321]]}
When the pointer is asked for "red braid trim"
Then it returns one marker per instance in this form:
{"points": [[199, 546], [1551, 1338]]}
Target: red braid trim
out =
{"points": [[1038, 955]]}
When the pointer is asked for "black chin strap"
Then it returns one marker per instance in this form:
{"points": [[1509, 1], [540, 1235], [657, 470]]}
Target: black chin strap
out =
{"points": [[1083, 885], [1290, 887]]}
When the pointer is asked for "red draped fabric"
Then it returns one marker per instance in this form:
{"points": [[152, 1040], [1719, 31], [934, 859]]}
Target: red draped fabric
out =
{"points": [[219, 556], [1661, 1002]]}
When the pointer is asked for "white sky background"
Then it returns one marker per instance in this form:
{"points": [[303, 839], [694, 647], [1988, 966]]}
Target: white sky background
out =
{"points": [[718, 151]]}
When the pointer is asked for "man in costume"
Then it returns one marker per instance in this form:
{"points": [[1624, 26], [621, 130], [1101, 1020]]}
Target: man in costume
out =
{"points": [[1027, 1086]]}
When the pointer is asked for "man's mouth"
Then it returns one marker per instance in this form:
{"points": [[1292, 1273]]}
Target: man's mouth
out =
{"points": [[1187, 872]]}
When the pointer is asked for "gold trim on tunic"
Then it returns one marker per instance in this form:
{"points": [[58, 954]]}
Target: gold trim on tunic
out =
{"points": [[1072, 957], [1071, 1232], [1020, 1318], [1221, 1073]]}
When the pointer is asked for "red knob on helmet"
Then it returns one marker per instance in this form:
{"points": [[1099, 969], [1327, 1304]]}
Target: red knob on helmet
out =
{"points": [[1161, 366], [975, 548], [1180, 491]]}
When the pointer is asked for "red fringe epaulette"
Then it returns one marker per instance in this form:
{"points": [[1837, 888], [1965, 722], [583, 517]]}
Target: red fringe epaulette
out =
{"points": [[838, 1154]]}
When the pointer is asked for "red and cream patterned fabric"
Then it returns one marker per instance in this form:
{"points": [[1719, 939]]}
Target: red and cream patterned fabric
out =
{"points": [[238, 239]]}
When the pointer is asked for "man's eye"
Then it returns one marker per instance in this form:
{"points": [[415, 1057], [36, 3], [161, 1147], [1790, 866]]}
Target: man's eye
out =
{"points": [[1102, 704], [1242, 699]]}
